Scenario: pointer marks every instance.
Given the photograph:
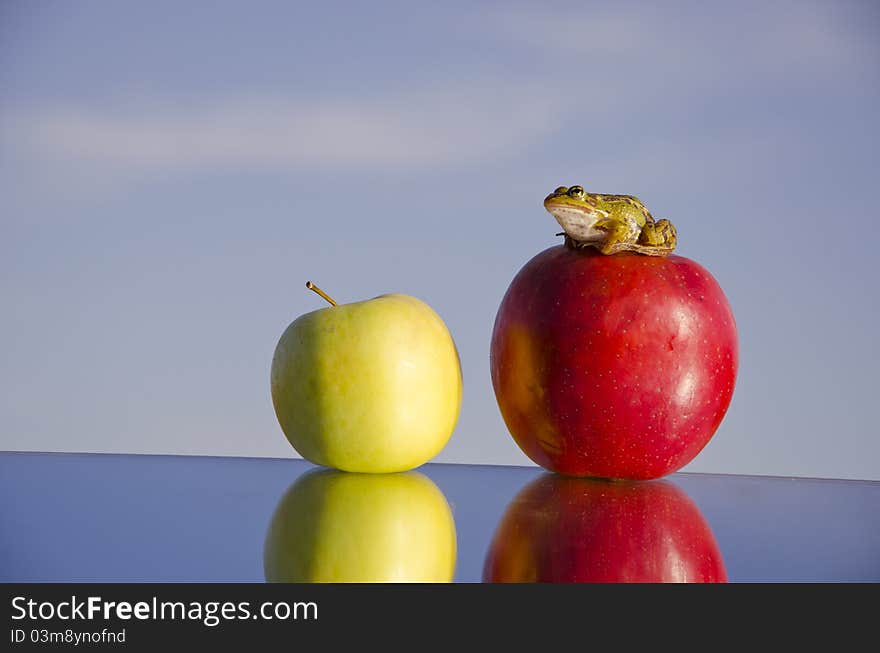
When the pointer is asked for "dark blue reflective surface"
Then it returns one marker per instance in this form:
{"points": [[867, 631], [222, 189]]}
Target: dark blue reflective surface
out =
{"points": [[79, 517]]}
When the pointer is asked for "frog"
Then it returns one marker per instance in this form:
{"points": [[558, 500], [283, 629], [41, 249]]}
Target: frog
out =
{"points": [[609, 223]]}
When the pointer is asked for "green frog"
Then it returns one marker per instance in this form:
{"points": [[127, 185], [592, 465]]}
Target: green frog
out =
{"points": [[610, 223]]}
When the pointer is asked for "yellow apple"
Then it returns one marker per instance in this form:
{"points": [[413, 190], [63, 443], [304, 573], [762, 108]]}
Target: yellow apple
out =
{"points": [[372, 386], [338, 527]]}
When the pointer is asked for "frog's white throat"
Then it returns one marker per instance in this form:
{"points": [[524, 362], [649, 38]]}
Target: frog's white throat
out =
{"points": [[579, 223]]}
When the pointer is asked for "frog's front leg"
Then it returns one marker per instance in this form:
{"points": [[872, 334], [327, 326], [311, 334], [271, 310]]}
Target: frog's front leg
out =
{"points": [[620, 234]]}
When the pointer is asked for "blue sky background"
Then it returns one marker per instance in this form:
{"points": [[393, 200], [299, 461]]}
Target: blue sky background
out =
{"points": [[171, 174]]}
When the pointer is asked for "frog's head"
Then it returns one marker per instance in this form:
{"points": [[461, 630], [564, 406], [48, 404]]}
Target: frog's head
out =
{"points": [[576, 212]]}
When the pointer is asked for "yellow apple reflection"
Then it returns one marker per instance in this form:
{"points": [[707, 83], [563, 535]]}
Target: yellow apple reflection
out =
{"points": [[343, 527]]}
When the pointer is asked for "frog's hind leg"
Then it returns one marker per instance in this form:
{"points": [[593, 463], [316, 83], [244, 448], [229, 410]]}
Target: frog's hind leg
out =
{"points": [[658, 234], [649, 236], [656, 239], [667, 232]]}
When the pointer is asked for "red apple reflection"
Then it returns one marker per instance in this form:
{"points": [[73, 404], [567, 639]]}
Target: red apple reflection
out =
{"points": [[574, 530]]}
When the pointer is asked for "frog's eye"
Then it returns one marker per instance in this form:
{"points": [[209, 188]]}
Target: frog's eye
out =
{"points": [[576, 191], [562, 190]]}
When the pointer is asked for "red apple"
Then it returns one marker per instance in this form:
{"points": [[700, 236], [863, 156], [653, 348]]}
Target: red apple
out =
{"points": [[618, 366], [574, 530]]}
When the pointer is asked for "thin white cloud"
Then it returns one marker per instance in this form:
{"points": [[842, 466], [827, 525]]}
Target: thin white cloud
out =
{"points": [[593, 69], [418, 128]]}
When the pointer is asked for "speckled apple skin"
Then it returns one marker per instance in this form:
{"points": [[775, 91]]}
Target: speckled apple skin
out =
{"points": [[616, 366], [573, 530]]}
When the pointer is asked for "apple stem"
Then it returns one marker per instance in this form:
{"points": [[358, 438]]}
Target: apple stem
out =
{"points": [[312, 286]]}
